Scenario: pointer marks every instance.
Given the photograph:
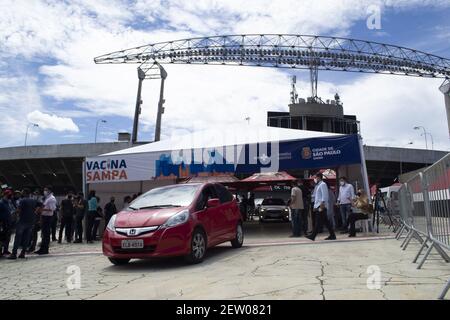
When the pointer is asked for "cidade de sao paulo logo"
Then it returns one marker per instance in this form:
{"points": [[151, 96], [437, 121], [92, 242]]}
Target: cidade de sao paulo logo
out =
{"points": [[106, 170]]}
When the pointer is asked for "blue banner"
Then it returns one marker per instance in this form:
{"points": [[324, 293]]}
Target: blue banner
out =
{"points": [[314, 153]]}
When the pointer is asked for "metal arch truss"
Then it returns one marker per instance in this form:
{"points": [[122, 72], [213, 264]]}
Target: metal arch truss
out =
{"points": [[289, 51]]}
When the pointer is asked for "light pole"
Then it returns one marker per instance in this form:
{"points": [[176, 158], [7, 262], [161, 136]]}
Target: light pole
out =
{"points": [[96, 128], [432, 145], [424, 134], [28, 127], [432, 141], [401, 157]]}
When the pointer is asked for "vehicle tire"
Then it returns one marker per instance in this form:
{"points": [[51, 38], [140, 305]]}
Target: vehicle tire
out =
{"points": [[239, 239], [198, 247], [119, 262], [261, 220]]}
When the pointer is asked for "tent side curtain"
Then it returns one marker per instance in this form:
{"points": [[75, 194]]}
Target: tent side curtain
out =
{"points": [[275, 156]]}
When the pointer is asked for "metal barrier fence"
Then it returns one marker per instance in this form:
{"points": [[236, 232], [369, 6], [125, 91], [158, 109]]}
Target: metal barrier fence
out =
{"points": [[424, 202]]}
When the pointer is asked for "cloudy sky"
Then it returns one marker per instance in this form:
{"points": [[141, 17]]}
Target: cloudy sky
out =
{"points": [[48, 77]]}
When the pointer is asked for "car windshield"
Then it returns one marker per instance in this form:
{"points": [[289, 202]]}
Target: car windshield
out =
{"points": [[172, 196], [273, 202]]}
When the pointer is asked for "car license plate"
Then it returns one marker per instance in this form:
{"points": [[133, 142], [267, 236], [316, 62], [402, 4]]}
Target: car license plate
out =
{"points": [[133, 244], [274, 215]]}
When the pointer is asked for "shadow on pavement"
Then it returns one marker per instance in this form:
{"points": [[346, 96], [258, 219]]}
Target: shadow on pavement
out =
{"points": [[213, 255]]}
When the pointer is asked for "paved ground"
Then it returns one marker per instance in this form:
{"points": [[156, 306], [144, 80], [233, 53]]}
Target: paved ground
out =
{"points": [[266, 268]]}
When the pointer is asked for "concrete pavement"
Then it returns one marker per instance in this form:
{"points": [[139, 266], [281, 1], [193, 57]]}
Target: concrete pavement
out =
{"points": [[276, 268]]}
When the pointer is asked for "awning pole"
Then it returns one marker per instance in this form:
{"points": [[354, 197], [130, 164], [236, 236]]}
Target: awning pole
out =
{"points": [[84, 186], [364, 168]]}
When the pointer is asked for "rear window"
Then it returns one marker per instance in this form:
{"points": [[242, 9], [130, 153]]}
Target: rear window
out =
{"points": [[273, 202]]}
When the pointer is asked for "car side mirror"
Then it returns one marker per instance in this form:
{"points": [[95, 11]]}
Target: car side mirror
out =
{"points": [[213, 203]]}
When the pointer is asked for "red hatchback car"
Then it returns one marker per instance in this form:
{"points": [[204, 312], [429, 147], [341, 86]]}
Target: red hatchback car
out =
{"points": [[176, 220]]}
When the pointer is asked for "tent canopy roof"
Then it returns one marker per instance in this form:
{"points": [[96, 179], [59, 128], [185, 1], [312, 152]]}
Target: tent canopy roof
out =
{"points": [[266, 177], [223, 136]]}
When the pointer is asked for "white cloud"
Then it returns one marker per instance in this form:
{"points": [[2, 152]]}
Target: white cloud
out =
{"points": [[52, 122], [389, 107], [18, 96]]}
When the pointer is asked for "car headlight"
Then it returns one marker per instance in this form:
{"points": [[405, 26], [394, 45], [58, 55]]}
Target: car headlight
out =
{"points": [[263, 209], [286, 209], [111, 223], [180, 218]]}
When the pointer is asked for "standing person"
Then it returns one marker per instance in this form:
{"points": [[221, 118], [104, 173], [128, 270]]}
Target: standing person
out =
{"points": [[361, 202], [97, 220], [110, 210], [331, 202], [251, 205], [345, 198], [25, 224], [54, 222], [306, 194], [320, 209], [297, 206], [46, 219], [5, 221], [37, 224], [67, 213], [90, 217], [81, 209], [126, 201], [243, 206]]}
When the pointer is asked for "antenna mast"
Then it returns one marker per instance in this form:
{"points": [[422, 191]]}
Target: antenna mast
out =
{"points": [[294, 94]]}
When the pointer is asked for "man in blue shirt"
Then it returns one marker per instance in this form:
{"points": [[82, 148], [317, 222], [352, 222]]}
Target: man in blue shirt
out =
{"points": [[321, 204]]}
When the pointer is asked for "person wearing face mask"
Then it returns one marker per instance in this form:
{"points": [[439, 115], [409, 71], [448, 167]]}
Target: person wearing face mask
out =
{"points": [[48, 211], [344, 200], [320, 209], [361, 202]]}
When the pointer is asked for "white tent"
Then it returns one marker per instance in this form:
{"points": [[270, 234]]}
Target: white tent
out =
{"points": [[223, 136], [243, 148]]}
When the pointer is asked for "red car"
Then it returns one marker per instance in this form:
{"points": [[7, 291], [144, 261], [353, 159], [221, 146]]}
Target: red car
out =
{"points": [[176, 220]]}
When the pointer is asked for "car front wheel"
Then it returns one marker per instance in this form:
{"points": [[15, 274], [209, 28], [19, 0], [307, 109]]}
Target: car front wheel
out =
{"points": [[198, 247], [239, 238]]}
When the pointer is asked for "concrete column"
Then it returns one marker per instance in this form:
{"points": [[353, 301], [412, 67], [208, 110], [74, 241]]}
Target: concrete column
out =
{"points": [[447, 108], [445, 89]]}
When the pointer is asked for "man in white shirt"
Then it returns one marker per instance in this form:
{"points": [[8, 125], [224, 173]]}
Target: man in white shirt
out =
{"points": [[46, 219], [345, 198], [297, 207], [320, 208]]}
